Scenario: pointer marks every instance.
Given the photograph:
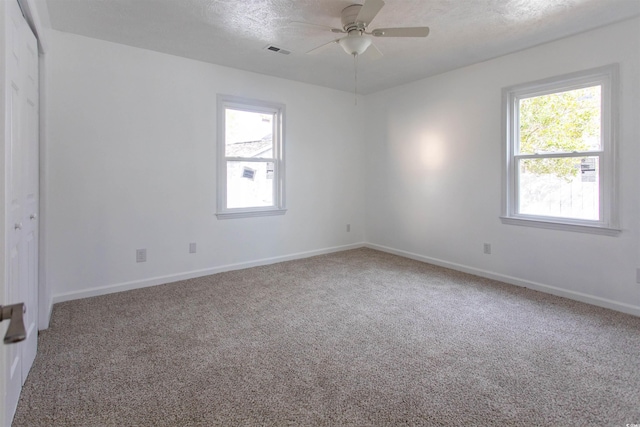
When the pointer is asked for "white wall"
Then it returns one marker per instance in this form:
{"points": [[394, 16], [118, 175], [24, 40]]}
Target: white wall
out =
{"points": [[131, 164], [434, 174]]}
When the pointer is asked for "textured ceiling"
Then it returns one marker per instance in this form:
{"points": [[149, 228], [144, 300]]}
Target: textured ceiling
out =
{"points": [[234, 33]]}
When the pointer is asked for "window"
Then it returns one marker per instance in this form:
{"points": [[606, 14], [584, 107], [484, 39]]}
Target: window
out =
{"points": [[560, 152], [250, 158]]}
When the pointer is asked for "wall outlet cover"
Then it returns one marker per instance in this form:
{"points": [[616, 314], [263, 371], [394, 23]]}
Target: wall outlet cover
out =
{"points": [[141, 255]]}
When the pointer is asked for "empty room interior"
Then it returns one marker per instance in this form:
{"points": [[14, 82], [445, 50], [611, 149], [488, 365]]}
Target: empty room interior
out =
{"points": [[340, 212]]}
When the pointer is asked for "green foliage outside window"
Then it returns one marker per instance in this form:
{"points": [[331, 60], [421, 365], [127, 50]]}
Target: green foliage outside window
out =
{"points": [[562, 122]]}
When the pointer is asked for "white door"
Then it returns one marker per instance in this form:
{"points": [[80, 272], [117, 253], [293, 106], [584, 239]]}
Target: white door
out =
{"points": [[21, 92]]}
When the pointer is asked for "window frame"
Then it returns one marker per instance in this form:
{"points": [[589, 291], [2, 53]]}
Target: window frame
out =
{"points": [[607, 78], [225, 102]]}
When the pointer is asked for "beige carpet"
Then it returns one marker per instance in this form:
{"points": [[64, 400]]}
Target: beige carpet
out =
{"points": [[352, 338]]}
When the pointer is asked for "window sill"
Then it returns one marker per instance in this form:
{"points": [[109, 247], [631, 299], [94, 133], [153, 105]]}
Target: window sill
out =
{"points": [[562, 226], [250, 214]]}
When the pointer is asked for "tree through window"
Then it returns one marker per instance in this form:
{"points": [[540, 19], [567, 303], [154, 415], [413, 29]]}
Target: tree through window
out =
{"points": [[560, 162]]}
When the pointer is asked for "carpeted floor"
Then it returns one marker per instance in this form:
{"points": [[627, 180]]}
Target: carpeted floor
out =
{"points": [[352, 338]]}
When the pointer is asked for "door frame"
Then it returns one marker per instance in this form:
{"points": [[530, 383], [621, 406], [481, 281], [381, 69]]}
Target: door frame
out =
{"points": [[36, 14], [4, 277]]}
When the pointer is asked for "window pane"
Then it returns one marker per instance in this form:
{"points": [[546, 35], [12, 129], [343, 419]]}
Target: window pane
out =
{"points": [[249, 184], [565, 187], [248, 134], [562, 122]]}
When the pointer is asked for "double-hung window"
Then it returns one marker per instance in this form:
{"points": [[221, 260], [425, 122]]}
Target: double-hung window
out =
{"points": [[560, 152], [250, 158]]}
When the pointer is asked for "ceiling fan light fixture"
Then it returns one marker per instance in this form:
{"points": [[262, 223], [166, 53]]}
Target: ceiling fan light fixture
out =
{"points": [[355, 44]]}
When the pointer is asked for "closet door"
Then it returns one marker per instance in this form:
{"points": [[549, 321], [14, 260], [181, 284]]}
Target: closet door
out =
{"points": [[21, 175]]}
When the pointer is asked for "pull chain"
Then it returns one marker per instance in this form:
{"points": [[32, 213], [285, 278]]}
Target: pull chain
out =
{"points": [[355, 84]]}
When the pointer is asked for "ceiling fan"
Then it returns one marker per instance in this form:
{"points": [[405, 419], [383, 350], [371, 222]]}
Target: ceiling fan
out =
{"points": [[355, 20]]}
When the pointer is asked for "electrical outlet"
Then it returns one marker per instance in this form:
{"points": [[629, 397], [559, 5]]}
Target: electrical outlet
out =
{"points": [[348, 228], [192, 248], [487, 248], [141, 255]]}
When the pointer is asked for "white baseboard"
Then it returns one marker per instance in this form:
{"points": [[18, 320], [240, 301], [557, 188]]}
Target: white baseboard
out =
{"points": [[137, 284], [578, 296], [160, 280]]}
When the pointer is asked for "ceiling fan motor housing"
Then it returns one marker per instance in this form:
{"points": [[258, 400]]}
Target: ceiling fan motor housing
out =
{"points": [[349, 15]]}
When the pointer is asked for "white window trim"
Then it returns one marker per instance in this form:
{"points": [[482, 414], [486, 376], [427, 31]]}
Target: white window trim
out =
{"points": [[247, 104], [607, 77]]}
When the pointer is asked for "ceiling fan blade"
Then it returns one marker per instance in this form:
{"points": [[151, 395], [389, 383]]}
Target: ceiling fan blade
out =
{"points": [[373, 52], [322, 47], [316, 26], [401, 32], [369, 10]]}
